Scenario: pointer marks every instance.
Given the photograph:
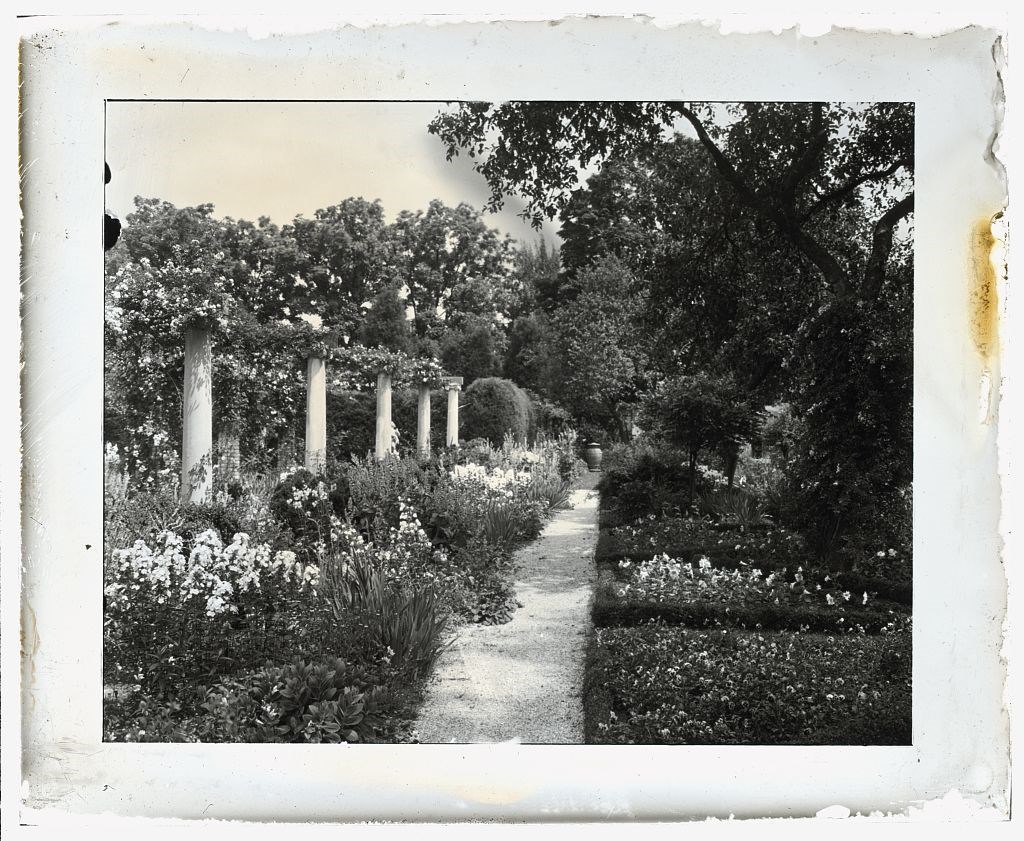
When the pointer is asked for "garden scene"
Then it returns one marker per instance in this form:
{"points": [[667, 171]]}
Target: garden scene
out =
{"points": [[642, 475]]}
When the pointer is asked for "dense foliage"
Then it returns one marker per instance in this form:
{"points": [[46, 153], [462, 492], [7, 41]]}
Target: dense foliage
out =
{"points": [[310, 610], [729, 316], [772, 247], [675, 685], [438, 284], [717, 626], [496, 408]]}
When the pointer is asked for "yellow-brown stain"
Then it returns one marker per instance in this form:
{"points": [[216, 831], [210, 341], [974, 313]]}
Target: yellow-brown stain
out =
{"points": [[984, 305]]}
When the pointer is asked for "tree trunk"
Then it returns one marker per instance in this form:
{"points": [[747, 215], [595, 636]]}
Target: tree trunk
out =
{"points": [[731, 461], [693, 476]]}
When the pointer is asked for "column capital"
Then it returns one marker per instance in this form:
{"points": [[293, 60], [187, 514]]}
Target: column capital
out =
{"points": [[452, 384]]}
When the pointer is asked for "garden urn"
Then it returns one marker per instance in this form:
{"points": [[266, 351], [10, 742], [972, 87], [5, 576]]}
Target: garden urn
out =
{"points": [[592, 455]]}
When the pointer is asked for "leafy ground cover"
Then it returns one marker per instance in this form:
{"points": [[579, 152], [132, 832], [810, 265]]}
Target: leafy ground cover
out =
{"points": [[662, 684]]}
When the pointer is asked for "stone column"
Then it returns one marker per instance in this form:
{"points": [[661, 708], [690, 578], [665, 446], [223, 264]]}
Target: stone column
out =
{"points": [[383, 441], [423, 421], [197, 418], [316, 415], [453, 385]]}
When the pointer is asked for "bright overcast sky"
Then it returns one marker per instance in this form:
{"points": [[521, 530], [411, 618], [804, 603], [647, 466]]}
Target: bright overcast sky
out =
{"points": [[281, 159]]}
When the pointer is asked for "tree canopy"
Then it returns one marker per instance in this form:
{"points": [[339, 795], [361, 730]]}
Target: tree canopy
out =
{"points": [[771, 246], [793, 164]]}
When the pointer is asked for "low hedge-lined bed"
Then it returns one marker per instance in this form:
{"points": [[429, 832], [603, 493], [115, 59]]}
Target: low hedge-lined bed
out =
{"points": [[768, 550]]}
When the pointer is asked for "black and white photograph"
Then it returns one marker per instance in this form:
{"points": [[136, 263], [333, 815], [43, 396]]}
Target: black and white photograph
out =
{"points": [[570, 420], [555, 422]]}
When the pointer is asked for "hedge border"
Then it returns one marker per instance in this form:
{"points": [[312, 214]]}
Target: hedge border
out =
{"points": [[611, 550], [597, 697]]}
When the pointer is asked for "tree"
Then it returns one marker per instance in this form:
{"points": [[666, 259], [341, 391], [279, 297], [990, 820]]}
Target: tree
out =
{"points": [[718, 287], [830, 183], [448, 257], [348, 256], [701, 412], [794, 164], [386, 325], [473, 350], [528, 361], [536, 282], [258, 263], [597, 359]]}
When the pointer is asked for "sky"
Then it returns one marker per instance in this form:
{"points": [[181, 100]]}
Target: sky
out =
{"points": [[282, 159]]}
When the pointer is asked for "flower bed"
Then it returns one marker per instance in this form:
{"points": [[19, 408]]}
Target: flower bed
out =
{"points": [[311, 609], [772, 550], [713, 625], [702, 596], [659, 684]]}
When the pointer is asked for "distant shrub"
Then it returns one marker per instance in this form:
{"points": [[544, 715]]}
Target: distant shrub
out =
{"points": [[639, 479], [547, 417], [351, 424], [494, 407]]}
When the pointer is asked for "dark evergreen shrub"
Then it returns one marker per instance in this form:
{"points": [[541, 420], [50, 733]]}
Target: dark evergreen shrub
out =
{"points": [[351, 424], [493, 407]]}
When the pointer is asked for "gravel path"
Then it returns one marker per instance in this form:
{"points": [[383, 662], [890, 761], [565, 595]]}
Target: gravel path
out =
{"points": [[522, 681]]}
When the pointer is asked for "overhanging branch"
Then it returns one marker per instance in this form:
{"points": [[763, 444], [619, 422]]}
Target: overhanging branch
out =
{"points": [[787, 224], [881, 245]]}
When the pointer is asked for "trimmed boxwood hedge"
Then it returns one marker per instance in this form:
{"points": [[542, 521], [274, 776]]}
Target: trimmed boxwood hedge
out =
{"points": [[597, 697], [495, 407]]}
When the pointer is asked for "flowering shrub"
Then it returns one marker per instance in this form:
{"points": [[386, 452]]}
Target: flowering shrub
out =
{"points": [[356, 368], [658, 684], [501, 502], [770, 549], [212, 574], [374, 563], [166, 599], [404, 553], [494, 482]]}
